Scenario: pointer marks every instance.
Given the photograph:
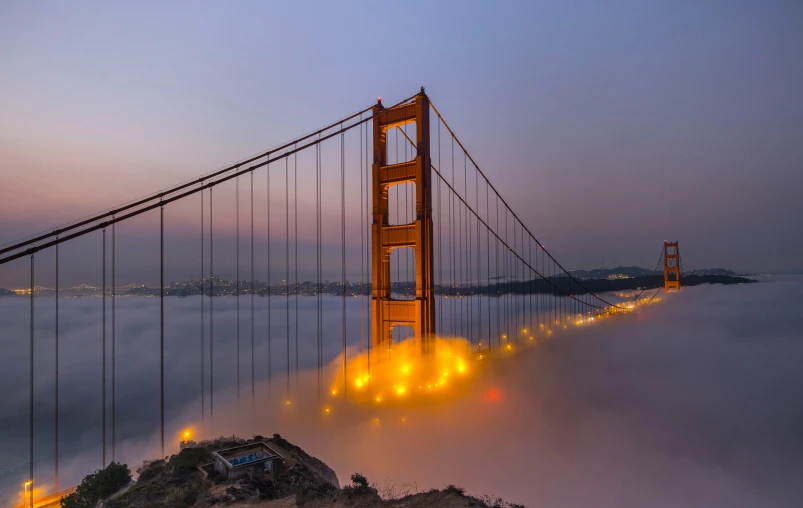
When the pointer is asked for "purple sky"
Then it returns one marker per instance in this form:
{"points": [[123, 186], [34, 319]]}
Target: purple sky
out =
{"points": [[608, 127]]}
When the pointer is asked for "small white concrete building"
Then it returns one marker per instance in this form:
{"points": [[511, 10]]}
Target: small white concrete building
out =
{"points": [[253, 459]]}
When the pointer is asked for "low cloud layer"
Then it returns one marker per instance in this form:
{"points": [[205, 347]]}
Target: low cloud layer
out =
{"points": [[694, 401]]}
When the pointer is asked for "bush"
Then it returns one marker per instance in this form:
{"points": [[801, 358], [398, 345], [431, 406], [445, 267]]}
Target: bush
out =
{"points": [[99, 485], [359, 481], [152, 470], [454, 490], [189, 458], [181, 496]]}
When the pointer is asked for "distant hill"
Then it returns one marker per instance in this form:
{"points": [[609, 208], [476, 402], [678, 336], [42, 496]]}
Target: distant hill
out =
{"points": [[6, 292], [623, 272], [713, 271]]}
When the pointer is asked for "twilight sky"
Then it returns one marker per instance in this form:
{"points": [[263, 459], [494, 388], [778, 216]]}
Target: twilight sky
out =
{"points": [[608, 126]]}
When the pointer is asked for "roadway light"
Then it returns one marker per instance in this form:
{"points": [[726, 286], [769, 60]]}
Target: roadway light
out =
{"points": [[25, 492]]}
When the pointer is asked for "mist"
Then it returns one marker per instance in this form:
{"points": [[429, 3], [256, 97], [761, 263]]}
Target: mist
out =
{"points": [[693, 401]]}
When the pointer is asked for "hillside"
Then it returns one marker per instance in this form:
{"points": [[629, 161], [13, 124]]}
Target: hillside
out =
{"points": [[190, 479]]}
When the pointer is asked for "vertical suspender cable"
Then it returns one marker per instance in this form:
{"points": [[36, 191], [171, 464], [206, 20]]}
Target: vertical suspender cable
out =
{"points": [[287, 264], [362, 249], [488, 258], [530, 286], [30, 388], [467, 294], [440, 240], [318, 260], [237, 283], [406, 221], [526, 317], [367, 226], [270, 288], [211, 313], [56, 444], [295, 236], [162, 325], [538, 285], [479, 261], [551, 299], [343, 246], [203, 332], [553, 293], [103, 334], [397, 221], [114, 343], [460, 254], [253, 379], [496, 270], [506, 253], [522, 285]]}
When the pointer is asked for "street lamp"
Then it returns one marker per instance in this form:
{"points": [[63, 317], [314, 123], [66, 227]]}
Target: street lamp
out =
{"points": [[25, 492]]}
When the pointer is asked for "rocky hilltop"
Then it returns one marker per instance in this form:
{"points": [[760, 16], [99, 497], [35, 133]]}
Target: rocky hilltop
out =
{"points": [[190, 479]]}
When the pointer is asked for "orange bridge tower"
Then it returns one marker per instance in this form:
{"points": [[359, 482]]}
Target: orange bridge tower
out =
{"points": [[386, 312], [671, 266]]}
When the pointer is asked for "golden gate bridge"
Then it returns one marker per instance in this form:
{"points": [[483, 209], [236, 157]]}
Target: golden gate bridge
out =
{"points": [[427, 209]]}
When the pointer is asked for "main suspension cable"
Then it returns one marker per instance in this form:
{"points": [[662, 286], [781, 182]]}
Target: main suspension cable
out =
{"points": [[505, 203], [161, 195], [164, 200]]}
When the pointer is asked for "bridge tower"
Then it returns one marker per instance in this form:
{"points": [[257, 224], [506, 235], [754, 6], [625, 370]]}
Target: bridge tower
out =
{"points": [[387, 312], [671, 266]]}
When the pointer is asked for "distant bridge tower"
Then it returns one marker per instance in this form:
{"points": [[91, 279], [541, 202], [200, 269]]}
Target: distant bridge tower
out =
{"points": [[387, 312], [671, 266]]}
